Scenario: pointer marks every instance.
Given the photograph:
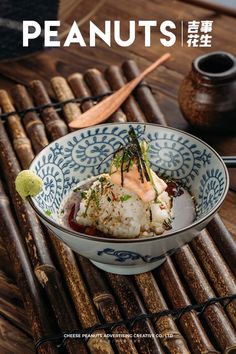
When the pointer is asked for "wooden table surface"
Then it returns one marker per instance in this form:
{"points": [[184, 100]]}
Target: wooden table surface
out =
{"points": [[14, 329]]}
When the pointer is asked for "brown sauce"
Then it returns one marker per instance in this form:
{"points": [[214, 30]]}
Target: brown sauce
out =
{"points": [[174, 189]]}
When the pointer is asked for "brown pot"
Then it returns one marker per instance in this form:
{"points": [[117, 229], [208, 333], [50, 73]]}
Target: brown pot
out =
{"points": [[207, 95]]}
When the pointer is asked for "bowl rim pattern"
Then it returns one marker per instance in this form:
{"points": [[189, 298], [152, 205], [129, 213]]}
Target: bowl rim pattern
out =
{"points": [[125, 240]]}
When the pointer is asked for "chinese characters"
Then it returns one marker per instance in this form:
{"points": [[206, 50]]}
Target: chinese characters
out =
{"points": [[199, 33]]}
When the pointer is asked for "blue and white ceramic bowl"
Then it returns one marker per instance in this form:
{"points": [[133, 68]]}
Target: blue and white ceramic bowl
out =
{"points": [[76, 156]]}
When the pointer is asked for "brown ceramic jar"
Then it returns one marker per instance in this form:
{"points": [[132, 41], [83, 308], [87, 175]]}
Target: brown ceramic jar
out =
{"points": [[207, 96]]}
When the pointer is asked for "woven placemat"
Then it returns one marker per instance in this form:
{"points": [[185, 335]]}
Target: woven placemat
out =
{"points": [[65, 293]]}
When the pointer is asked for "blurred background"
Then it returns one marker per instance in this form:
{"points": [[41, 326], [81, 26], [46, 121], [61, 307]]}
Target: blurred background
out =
{"points": [[13, 12]]}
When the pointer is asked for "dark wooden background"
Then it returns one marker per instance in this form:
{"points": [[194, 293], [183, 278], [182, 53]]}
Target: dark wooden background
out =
{"points": [[14, 331]]}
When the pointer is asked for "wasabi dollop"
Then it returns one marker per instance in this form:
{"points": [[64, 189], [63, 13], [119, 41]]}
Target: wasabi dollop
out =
{"points": [[28, 184]]}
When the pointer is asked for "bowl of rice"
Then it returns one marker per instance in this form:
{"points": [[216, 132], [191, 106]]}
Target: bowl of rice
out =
{"points": [[127, 195]]}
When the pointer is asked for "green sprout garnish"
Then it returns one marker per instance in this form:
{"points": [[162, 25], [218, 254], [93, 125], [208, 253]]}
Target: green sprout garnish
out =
{"points": [[117, 161], [125, 197], [48, 212], [145, 148], [92, 197]]}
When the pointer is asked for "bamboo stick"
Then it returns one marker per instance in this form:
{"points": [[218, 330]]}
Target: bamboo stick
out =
{"points": [[51, 281], [79, 293], [132, 306], [36, 244], [189, 322], [218, 322], [218, 273], [80, 89], [106, 304], [99, 86], [28, 222], [32, 123], [63, 92], [53, 123], [144, 95], [223, 240], [37, 310], [20, 141], [130, 106], [170, 338]]}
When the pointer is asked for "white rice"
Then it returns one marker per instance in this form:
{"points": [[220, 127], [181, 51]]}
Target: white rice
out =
{"points": [[120, 213]]}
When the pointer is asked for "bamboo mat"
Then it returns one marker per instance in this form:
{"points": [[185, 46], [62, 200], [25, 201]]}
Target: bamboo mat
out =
{"points": [[63, 291]]}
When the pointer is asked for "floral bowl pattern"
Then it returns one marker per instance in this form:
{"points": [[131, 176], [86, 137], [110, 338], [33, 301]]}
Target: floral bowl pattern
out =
{"points": [[78, 156]]}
